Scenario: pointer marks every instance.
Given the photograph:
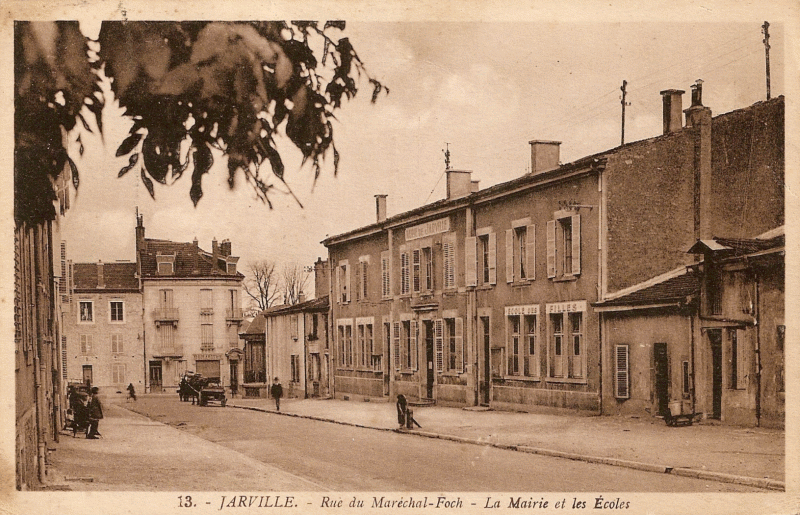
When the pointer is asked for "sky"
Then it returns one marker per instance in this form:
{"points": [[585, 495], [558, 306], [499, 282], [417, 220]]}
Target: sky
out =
{"points": [[486, 88]]}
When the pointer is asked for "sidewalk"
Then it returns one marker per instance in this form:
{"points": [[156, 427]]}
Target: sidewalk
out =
{"points": [[751, 456], [135, 453]]}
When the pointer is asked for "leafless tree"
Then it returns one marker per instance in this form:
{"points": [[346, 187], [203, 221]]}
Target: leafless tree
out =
{"points": [[295, 279], [262, 284]]}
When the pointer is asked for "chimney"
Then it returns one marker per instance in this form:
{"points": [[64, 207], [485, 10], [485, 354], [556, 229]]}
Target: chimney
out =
{"points": [[195, 253], [380, 207], [101, 281], [699, 116], [301, 297], [697, 110], [321, 287], [139, 232], [474, 186], [459, 183], [673, 104], [544, 155], [225, 248], [215, 252]]}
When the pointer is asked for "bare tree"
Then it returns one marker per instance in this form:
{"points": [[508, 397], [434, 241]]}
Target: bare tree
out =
{"points": [[262, 284], [295, 279]]}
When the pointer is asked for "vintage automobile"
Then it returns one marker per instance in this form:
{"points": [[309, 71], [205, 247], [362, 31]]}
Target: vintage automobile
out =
{"points": [[212, 391]]}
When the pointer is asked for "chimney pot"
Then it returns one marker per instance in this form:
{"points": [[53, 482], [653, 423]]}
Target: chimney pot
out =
{"points": [[697, 93], [673, 107], [380, 207], [544, 155]]}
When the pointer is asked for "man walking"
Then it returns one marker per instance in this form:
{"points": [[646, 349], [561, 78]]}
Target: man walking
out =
{"points": [[276, 391], [95, 414]]}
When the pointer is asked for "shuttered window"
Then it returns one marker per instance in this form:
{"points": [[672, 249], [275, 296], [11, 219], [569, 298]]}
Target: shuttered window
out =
{"points": [[438, 340], [449, 253], [551, 249], [510, 257], [416, 262], [412, 344], [396, 344], [116, 344], [564, 247], [530, 253], [622, 372], [86, 344], [405, 280], [491, 257], [471, 260], [118, 373]]}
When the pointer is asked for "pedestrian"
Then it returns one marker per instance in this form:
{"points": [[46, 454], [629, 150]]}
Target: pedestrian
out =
{"points": [[95, 414], [131, 392], [402, 409], [276, 391]]}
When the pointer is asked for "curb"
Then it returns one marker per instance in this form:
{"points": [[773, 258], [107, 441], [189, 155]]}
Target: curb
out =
{"points": [[764, 483]]}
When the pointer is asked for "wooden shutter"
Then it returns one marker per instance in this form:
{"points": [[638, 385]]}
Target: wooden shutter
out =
{"points": [[471, 260], [460, 345], [358, 281], [413, 338], [576, 244], [551, 248], [438, 339], [509, 255], [364, 279], [622, 382], [448, 250], [404, 279], [530, 253], [347, 283], [415, 267], [385, 274], [339, 285], [492, 258], [396, 346]]}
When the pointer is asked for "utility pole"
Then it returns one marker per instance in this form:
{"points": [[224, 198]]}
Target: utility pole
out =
{"points": [[447, 157], [765, 31], [624, 93]]}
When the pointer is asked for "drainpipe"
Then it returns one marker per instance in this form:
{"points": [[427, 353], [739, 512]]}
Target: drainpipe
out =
{"points": [[692, 344], [331, 334], [600, 359], [756, 317]]}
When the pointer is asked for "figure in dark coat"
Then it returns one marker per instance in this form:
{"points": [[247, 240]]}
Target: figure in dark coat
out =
{"points": [[95, 414], [131, 391], [402, 409], [276, 392]]}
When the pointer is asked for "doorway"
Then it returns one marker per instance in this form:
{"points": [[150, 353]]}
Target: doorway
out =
{"points": [[428, 324], [387, 368], [661, 366], [234, 377], [486, 368], [715, 339], [87, 375], [156, 384]]}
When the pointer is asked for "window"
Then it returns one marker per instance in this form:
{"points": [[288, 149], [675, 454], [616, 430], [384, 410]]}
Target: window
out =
{"points": [[165, 264], [117, 310], [621, 375], [346, 357], [295, 364], [365, 344], [557, 324], [396, 345], [206, 334], [576, 332], [167, 337], [405, 280], [343, 281], [564, 246], [116, 344], [687, 378], [85, 311], [427, 264], [409, 345], [521, 251], [738, 369], [165, 299], [86, 344], [362, 280], [449, 258], [521, 347], [484, 258], [118, 373], [206, 301], [385, 275], [714, 291], [481, 258]]}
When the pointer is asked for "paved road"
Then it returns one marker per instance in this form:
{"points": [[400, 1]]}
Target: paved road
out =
{"points": [[344, 458]]}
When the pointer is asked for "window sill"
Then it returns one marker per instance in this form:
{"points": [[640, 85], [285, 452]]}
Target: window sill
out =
{"points": [[570, 380], [451, 374], [565, 279], [517, 284], [529, 379], [482, 287]]}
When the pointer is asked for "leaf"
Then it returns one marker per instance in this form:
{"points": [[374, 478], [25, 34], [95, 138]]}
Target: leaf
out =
{"points": [[275, 160], [131, 162], [202, 164], [80, 145], [336, 24], [128, 144], [84, 122], [74, 169], [149, 184], [335, 161]]}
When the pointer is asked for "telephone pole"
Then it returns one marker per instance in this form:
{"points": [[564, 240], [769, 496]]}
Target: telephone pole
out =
{"points": [[765, 31], [624, 93]]}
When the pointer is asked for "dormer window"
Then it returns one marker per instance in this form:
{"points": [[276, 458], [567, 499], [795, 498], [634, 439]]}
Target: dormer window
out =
{"points": [[166, 264], [230, 265]]}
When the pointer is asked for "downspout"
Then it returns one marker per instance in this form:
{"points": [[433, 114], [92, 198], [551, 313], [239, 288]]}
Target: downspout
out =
{"points": [[331, 333], [600, 359], [756, 317], [472, 316], [38, 365], [692, 344], [55, 356]]}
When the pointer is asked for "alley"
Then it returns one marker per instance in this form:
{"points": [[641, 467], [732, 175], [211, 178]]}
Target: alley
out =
{"points": [[223, 446]]}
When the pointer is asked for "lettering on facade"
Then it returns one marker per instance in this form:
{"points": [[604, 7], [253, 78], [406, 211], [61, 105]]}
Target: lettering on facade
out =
{"points": [[427, 229], [531, 309], [573, 306]]}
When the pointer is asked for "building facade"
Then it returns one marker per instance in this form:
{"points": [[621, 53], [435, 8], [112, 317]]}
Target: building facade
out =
{"points": [[192, 311], [487, 297], [103, 326]]}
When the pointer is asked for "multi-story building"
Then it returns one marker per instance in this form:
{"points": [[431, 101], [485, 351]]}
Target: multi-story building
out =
{"points": [[192, 310], [103, 325], [486, 297]]}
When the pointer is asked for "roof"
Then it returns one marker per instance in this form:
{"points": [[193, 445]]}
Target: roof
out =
{"points": [[116, 277], [320, 304], [739, 246], [190, 260], [257, 326], [673, 287], [585, 164]]}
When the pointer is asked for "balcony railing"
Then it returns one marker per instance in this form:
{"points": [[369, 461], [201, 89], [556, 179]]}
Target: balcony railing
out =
{"points": [[165, 315], [234, 314], [206, 311]]}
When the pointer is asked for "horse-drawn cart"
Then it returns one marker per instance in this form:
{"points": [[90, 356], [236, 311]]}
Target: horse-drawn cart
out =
{"points": [[202, 390]]}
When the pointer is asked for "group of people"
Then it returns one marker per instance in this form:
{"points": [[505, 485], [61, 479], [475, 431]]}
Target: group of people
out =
{"points": [[85, 412]]}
